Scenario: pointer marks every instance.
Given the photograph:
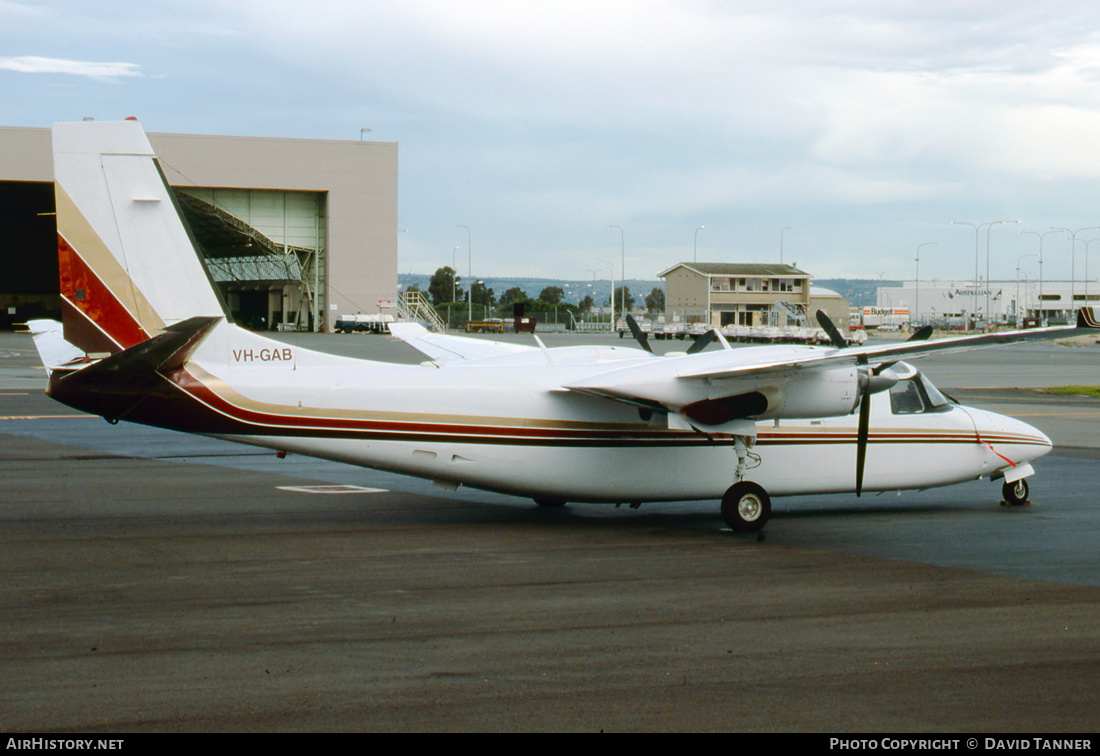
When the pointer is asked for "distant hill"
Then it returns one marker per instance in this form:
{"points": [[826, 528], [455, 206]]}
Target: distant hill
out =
{"points": [[858, 291]]}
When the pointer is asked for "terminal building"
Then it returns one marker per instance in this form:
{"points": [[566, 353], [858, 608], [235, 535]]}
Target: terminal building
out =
{"points": [[961, 303], [294, 231], [748, 295]]}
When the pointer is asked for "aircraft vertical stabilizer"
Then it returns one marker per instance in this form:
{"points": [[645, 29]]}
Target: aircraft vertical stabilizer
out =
{"points": [[129, 266]]}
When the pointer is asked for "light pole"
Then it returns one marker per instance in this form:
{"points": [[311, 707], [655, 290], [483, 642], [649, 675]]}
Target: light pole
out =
{"points": [[622, 272], [1042, 237], [1018, 259], [695, 258], [611, 267], [454, 274], [469, 272], [1090, 241], [988, 287], [975, 227], [783, 231], [916, 298], [1072, 261]]}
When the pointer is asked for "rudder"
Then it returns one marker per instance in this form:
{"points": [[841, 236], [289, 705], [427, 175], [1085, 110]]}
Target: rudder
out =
{"points": [[128, 265]]}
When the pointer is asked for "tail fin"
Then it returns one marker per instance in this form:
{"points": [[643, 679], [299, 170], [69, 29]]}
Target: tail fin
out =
{"points": [[129, 266]]}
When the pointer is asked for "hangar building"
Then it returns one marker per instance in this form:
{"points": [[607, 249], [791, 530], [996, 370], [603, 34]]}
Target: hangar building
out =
{"points": [[294, 231]]}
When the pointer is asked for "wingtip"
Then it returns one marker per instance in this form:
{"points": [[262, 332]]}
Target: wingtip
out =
{"points": [[1088, 317]]}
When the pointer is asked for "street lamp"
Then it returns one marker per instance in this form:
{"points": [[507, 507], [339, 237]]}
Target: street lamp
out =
{"points": [[916, 298], [976, 227], [988, 287], [611, 267], [1018, 259], [696, 256], [1072, 261], [469, 271], [454, 274], [1042, 236], [1090, 241], [622, 272]]}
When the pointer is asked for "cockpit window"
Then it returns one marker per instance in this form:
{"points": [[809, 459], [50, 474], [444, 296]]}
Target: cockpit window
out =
{"points": [[915, 395], [905, 398], [935, 398]]}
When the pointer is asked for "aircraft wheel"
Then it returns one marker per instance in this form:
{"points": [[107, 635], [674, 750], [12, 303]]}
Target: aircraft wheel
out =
{"points": [[1015, 493], [746, 507], [549, 503]]}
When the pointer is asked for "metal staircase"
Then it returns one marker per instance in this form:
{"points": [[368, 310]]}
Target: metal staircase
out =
{"points": [[414, 306]]}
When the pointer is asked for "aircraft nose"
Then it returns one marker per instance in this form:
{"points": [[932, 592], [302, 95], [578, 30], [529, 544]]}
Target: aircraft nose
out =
{"points": [[1010, 437]]}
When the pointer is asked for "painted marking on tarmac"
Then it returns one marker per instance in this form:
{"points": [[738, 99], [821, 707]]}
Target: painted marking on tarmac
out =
{"points": [[43, 417], [333, 489]]}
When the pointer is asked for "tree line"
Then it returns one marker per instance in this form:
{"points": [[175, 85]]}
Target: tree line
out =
{"points": [[445, 290]]}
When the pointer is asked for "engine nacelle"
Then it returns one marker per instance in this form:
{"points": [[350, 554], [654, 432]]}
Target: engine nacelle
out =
{"points": [[801, 394]]}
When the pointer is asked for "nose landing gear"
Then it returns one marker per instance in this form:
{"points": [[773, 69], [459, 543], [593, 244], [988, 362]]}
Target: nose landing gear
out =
{"points": [[1015, 493]]}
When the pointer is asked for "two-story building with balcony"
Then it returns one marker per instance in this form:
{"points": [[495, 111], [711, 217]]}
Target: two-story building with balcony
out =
{"points": [[743, 294]]}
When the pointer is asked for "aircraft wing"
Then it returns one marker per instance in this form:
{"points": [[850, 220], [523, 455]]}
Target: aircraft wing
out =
{"points": [[1088, 318], [713, 388], [442, 348]]}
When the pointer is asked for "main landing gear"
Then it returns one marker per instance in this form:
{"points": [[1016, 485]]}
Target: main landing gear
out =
{"points": [[746, 507]]}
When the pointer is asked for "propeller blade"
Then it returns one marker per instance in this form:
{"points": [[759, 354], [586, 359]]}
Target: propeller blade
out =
{"points": [[638, 334], [829, 328], [921, 334], [703, 342], [861, 440]]}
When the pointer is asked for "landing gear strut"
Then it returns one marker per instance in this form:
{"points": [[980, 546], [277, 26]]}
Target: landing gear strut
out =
{"points": [[1015, 493], [746, 507]]}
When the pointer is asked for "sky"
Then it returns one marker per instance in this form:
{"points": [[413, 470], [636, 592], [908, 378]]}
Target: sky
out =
{"points": [[848, 137]]}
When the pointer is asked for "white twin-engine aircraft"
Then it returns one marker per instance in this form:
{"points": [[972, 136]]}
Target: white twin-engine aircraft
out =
{"points": [[146, 338]]}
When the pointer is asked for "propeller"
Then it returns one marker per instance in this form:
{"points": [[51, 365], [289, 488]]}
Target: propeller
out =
{"points": [[871, 381], [834, 333], [638, 333], [703, 342], [921, 334]]}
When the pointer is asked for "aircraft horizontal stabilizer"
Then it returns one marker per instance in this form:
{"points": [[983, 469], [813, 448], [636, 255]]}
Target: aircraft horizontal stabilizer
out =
{"points": [[50, 342], [113, 386], [145, 363]]}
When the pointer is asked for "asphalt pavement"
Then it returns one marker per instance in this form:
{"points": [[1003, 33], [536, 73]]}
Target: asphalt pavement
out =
{"points": [[153, 581]]}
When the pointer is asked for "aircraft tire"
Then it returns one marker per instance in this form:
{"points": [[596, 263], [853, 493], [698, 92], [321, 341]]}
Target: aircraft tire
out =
{"points": [[1015, 493], [746, 507]]}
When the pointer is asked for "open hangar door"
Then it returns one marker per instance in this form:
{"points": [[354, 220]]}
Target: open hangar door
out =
{"points": [[28, 253], [265, 251]]}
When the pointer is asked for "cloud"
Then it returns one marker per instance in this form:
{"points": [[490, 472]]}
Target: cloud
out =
{"points": [[90, 69]]}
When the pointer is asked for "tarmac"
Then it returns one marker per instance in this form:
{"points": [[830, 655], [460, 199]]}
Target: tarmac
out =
{"points": [[158, 582]]}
